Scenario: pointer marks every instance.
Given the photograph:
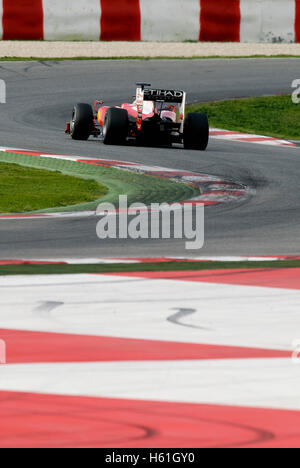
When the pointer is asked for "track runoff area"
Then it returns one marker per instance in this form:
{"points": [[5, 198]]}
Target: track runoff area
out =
{"points": [[151, 352]]}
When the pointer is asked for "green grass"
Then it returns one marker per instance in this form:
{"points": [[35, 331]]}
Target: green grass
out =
{"points": [[196, 57], [275, 116], [143, 267], [26, 189], [138, 187]]}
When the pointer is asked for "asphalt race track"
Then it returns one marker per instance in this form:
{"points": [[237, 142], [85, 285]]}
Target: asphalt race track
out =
{"points": [[40, 96]]}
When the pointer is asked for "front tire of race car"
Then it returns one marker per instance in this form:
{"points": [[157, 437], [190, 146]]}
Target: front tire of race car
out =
{"points": [[115, 126], [196, 132], [82, 122]]}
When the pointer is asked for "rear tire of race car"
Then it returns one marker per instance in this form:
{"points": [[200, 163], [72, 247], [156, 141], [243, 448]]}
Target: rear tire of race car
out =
{"points": [[115, 126], [82, 122], [196, 132]]}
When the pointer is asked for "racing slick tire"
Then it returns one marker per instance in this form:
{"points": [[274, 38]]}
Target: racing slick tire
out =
{"points": [[82, 122], [196, 132], [115, 126]]}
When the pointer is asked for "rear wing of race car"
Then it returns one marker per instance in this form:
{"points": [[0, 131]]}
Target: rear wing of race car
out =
{"points": [[166, 95], [172, 96]]}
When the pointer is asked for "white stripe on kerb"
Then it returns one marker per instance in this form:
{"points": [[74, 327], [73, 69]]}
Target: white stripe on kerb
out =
{"points": [[72, 19], [267, 383], [267, 20], [170, 20]]}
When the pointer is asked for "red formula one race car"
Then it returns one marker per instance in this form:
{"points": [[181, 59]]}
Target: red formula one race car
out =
{"points": [[156, 117]]}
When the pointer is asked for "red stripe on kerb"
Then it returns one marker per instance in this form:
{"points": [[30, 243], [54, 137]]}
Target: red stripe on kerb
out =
{"points": [[285, 278], [220, 21], [100, 162], [120, 20], [29, 347], [23, 19], [30, 153], [40, 421], [297, 21]]}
